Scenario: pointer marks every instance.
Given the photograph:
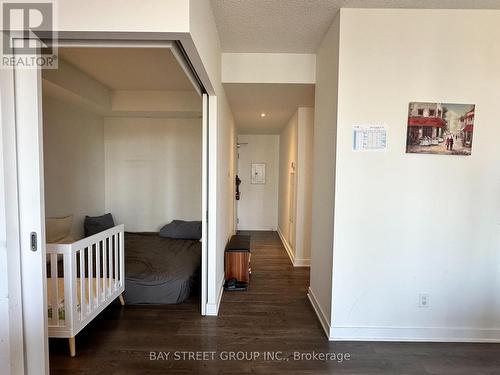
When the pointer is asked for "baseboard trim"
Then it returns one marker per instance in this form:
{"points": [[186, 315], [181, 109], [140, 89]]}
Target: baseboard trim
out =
{"points": [[260, 229], [319, 313], [295, 262], [213, 308], [415, 334]]}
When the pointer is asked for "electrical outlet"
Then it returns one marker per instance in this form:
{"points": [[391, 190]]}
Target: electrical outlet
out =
{"points": [[423, 300]]}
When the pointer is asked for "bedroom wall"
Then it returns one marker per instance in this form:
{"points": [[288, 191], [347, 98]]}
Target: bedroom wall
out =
{"points": [[407, 224], [258, 206], [73, 162], [153, 171]]}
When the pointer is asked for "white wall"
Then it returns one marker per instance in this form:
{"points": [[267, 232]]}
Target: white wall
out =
{"points": [[305, 147], [73, 162], [153, 171], [258, 205], [288, 155], [296, 146], [204, 49], [325, 123], [409, 223], [269, 68], [157, 16]]}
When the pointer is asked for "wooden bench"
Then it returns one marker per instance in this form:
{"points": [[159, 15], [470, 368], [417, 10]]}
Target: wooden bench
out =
{"points": [[237, 259]]}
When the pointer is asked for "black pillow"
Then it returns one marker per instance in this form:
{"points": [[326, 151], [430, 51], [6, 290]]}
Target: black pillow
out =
{"points": [[182, 230], [96, 224]]}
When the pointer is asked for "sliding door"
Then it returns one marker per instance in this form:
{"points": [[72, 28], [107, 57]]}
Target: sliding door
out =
{"points": [[29, 144]]}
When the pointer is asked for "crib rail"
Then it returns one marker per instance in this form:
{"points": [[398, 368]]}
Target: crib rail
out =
{"points": [[85, 276]]}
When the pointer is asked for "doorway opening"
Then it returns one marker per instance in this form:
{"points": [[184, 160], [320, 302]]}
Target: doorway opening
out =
{"points": [[120, 146], [275, 135]]}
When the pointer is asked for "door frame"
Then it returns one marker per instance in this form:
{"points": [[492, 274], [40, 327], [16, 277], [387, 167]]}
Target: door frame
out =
{"points": [[17, 240]]}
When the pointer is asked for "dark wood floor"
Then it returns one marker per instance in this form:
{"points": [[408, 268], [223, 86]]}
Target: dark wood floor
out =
{"points": [[273, 315]]}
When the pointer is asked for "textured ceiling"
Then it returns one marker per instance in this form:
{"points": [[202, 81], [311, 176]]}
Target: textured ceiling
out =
{"points": [[297, 26], [278, 101], [130, 68]]}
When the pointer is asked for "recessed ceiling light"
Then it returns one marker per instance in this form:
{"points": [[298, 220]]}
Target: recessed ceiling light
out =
{"points": [[262, 115]]}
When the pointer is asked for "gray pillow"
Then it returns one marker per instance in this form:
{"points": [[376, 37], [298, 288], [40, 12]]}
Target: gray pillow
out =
{"points": [[182, 230], [96, 224]]}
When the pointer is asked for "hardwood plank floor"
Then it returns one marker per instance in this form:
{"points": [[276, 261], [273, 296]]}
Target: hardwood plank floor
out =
{"points": [[273, 315]]}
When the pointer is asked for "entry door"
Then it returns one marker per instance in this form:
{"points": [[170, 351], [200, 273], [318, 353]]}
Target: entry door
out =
{"points": [[29, 143]]}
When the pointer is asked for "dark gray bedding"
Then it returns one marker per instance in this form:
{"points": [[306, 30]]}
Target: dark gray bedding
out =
{"points": [[160, 270]]}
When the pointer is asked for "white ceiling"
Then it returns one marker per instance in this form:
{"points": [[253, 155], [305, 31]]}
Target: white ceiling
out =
{"points": [[278, 101], [130, 68], [297, 26]]}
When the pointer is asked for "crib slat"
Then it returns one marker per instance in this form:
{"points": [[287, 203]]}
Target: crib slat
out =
{"points": [[122, 258], [55, 289], [83, 307], [70, 309], [110, 264], [104, 269], [115, 274], [98, 272], [90, 278]]}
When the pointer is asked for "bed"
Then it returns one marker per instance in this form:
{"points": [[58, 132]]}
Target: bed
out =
{"points": [[160, 270]]}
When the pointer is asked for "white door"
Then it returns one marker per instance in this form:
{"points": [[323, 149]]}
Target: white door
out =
{"points": [[28, 111]]}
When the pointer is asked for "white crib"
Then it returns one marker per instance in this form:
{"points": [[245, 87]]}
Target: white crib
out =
{"points": [[94, 268]]}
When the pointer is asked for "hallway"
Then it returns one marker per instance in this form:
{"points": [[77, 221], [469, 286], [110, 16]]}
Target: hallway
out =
{"points": [[274, 315]]}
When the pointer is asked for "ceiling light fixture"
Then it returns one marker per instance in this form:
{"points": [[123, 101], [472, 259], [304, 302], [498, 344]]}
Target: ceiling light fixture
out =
{"points": [[262, 115]]}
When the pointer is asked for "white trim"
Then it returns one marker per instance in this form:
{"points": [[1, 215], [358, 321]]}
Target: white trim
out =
{"points": [[260, 229], [295, 262], [319, 313], [110, 43], [186, 68], [213, 308], [415, 334], [212, 286], [204, 207]]}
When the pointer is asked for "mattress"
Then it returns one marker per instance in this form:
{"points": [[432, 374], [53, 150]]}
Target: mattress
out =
{"points": [[160, 270]]}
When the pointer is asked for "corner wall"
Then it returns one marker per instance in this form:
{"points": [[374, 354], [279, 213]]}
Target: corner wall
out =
{"points": [[324, 165], [203, 47], [407, 224]]}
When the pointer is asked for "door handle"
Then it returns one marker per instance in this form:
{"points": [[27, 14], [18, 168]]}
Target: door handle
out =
{"points": [[33, 241]]}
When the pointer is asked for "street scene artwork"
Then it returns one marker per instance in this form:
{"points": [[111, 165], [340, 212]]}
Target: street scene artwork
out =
{"points": [[440, 128]]}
